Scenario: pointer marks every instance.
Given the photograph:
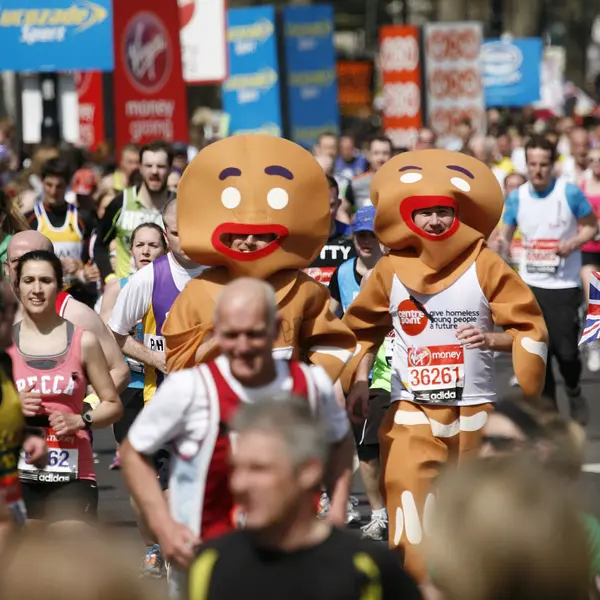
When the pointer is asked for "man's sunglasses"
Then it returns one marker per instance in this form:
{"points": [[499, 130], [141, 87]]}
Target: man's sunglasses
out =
{"points": [[500, 443]]}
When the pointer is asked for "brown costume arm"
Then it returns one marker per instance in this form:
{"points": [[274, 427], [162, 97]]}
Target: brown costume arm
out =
{"points": [[369, 317], [515, 309], [184, 328], [328, 342]]}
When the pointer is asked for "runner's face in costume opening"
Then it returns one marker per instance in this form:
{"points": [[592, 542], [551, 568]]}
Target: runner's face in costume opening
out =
{"points": [[255, 204], [435, 220]]}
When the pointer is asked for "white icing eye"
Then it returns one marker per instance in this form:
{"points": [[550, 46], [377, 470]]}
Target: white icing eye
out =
{"points": [[461, 184], [411, 177], [278, 198], [231, 197]]}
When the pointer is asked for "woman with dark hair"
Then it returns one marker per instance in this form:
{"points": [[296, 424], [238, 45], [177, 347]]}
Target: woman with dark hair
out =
{"points": [[53, 361]]}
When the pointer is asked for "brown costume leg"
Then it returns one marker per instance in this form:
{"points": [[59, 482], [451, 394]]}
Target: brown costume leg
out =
{"points": [[416, 441], [470, 430]]}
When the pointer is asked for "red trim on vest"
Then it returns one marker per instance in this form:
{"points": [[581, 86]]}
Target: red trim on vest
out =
{"points": [[61, 302], [218, 513]]}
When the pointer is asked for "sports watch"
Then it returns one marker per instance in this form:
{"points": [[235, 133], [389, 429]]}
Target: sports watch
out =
{"points": [[87, 421]]}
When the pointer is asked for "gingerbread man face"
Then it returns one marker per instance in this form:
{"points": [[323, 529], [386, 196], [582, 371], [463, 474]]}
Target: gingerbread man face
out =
{"points": [[424, 179], [254, 204]]}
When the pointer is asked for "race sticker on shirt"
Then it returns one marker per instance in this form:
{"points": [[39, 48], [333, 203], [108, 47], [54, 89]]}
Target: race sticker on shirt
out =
{"points": [[63, 461], [541, 256], [156, 343], [389, 346], [436, 373], [321, 274], [515, 251]]}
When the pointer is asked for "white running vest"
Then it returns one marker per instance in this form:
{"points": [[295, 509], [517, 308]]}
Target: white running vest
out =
{"points": [[544, 222], [429, 365]]}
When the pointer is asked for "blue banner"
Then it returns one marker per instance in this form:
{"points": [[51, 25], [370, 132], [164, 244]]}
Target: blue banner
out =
{"points": [[56, 35], [313, 106], [251, 95], [511, 71]]}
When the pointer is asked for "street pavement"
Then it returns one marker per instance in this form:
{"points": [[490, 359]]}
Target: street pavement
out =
{"points": [[115, 511]]}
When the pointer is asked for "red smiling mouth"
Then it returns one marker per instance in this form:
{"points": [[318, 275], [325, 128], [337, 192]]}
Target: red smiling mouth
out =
{"points": [[412, 203], [278, 231]]}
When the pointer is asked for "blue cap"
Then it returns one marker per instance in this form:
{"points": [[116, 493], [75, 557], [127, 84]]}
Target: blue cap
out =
{"points": [[364, 219]]}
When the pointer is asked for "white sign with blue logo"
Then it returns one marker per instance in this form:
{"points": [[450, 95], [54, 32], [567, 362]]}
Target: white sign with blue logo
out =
{"points": [[56, 35], [511, 71]]}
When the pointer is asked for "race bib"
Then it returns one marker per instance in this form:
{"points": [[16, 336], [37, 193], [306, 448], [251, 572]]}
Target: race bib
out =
{"points": [[156, 343], [541, 256], [515, 251], [63, 461], [436, 373], [321, 274]]}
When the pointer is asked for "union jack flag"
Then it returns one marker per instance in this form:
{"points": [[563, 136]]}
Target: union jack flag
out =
{"points": [[591, 331]]}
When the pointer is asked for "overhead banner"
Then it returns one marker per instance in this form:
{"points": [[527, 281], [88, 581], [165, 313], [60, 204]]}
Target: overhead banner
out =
{"points": [[56, 35], [150, 94], [355, 86], [313, 106], [454, 85], [251, 93], [400, 65], [203, 40], [511, 71], [90, 94]]}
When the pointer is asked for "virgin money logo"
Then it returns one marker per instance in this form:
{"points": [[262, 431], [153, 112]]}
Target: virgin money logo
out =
{"points": [[419, 357], [147, 52]]}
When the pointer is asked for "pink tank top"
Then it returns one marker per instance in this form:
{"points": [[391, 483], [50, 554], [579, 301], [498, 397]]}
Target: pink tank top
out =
{"points": [[593, 246], [63, 388]]}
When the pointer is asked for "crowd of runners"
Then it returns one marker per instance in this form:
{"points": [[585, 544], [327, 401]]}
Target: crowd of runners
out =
{"points": [[244, 397]]}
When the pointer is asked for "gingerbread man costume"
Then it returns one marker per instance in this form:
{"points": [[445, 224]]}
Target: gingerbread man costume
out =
{"points": [[256, 185], [424, 289]]}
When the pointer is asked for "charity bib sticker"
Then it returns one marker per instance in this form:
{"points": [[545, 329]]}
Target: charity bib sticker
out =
{"points": [[541, 256], [436, 374], [63, 461]]}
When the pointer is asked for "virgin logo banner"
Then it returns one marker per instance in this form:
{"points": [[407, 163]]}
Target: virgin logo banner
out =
{"points": [[91, 108], [150, 94]]}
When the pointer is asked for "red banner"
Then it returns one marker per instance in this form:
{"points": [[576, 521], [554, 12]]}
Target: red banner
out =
{"points": [[91, 108], [401, 74], [150, 94]]}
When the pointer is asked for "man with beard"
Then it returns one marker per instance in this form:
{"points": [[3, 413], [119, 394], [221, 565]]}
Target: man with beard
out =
{"points": [[134, 206]]}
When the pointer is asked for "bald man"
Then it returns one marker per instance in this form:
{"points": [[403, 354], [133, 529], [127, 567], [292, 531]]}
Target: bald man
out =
{"points": [[70, 309], [193, 407]]}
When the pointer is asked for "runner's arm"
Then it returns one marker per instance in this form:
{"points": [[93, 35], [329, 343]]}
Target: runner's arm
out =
{"points": [[109, 299], [87, 222], [335, 304], [110, 409], [132, 304], [107, 231], [83, 316], [179, 405]]}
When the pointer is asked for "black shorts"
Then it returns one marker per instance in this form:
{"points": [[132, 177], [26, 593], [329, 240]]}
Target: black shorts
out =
{"points": [[133, 403], [590, 258], [367, 434], [71, 501]]}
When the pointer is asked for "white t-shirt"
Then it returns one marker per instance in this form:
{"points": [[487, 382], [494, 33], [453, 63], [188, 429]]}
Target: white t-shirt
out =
{"points": [[134, 299], [181, 408]]}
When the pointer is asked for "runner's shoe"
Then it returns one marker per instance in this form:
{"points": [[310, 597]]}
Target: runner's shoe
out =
{"points": [[153, 564], [352, 516], [115, 465], [376, 529]]}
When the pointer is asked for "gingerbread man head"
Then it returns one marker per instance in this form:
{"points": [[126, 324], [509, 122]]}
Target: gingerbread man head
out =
{"points": [[255, 204], [435, 204]]}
